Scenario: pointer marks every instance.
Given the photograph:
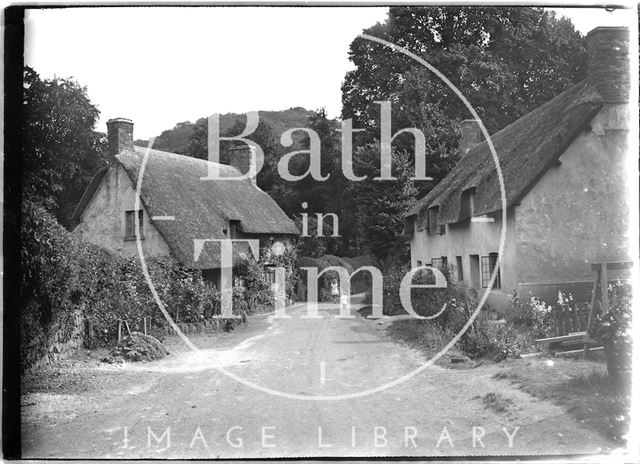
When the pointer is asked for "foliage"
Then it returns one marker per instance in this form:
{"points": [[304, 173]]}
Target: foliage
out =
{"points": [[359, 281], [173, 140], [532, 315], [46, 298], [61, 151], [180, 139], [482, 338], [63, 277], [505, 61], [507, 342], [381, 204], [254, 290], [613, 330]]}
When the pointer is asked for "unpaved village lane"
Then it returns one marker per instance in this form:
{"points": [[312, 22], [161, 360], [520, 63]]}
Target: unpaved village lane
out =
{"points": [[204, 413]]}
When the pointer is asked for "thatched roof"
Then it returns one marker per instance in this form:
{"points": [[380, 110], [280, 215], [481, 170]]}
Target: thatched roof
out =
{"points": [[172, 186], [525, 148]]}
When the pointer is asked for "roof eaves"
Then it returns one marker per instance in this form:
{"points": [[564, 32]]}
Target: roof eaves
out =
{"points": [[87, 196]]}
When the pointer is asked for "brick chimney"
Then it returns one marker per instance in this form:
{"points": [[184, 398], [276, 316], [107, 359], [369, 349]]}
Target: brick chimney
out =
{"points": [[470, 135], [608, 62], [119, 135], [243, 158]]}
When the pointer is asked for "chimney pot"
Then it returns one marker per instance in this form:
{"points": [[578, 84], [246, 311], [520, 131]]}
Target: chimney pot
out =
{"points": [[470, 135], [243, 158], [608, 62], [119, 135]]}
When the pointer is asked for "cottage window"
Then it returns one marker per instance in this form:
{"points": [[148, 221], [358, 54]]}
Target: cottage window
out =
{"points": [[270, 274], [233, 229], [459, 268], [440, 263], [419, 263], [467, 203], [433, 221], [488, 264], [130, 225]]}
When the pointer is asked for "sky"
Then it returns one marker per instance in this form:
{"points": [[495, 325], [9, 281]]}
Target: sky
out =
{"points": [[161, 66]]}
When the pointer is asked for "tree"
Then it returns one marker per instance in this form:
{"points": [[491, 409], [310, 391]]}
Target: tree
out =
{"points": [[174, 140], [60, 148], [381, 205], [263, 136], [506, 62]]}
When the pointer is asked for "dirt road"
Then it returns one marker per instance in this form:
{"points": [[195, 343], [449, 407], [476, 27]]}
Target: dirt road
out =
{"points": [[184, 407]]}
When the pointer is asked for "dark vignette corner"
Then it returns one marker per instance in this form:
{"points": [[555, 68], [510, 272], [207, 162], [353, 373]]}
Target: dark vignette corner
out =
{"points": [[13, 65]]}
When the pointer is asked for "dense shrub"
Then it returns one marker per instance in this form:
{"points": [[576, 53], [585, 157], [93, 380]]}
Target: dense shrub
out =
{"points": [[475, 342], [613, 330], [531, 315], [63, 277], [425, 302], [47, 302]]}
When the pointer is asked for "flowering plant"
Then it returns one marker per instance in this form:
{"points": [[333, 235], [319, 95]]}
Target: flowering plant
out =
{"points": [[613, 330]]}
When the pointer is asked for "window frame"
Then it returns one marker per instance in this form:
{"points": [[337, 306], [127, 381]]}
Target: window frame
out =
{"points": [[234, 225], [467, 202], [130, 224], [459, 269], [433, 214], [269, 271], [487, 266], [440, 263]]}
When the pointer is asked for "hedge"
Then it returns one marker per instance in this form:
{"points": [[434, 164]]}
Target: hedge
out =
{"points": [[63, 275]]}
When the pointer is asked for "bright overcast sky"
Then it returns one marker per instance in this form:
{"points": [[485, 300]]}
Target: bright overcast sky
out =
{"points": [[160, 66]]}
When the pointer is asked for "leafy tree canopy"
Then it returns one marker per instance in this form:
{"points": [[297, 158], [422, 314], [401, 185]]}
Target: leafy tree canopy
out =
{"points": [[506, 62], [60, 148]]}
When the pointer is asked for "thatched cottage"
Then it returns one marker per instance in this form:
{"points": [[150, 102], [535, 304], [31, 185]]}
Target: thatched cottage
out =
{"points": [[176, 207], [564, 175]]}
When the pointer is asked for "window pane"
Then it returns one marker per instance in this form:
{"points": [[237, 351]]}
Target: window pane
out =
{"points": [[485, 269], [128, 224]]}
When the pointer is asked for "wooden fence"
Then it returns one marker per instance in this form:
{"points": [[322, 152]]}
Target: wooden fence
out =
{"points": [[570, 319]]}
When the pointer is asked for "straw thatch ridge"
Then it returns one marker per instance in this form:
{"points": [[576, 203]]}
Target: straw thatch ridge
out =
{"points": [[526, 149], [172, 186]]}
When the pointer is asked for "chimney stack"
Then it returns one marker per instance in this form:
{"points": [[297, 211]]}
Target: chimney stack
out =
{"points": [[608, 62], [470, 135], [119, 135], [243, 158]]}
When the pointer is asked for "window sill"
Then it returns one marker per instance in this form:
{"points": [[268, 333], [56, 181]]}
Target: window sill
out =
{"points": [[132, 239]]}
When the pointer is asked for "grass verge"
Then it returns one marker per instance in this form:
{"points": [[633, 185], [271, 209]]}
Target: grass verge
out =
{"points": [[429, 339], [582, 387]]}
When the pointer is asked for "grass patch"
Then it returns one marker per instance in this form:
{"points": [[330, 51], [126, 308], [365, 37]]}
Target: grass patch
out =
{"points": [[429, 339], [582, 387], [496, 402]]}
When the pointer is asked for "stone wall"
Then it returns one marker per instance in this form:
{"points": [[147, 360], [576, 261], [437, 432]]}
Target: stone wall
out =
{"points": [[57, 346]]}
